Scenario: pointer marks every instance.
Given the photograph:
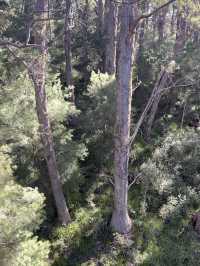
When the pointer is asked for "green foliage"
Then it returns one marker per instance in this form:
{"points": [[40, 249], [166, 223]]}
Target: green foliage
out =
{"points": [[21, 211], [161, 202], [32, 253], [83, 223], [19, 127], [172, 194], [175, 164], [98, 120]]}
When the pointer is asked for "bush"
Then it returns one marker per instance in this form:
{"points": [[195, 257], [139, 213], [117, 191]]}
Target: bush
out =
{"points": [[21, 213]]}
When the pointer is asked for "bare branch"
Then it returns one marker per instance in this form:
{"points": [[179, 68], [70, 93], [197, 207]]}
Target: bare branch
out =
{"points": [[108, 177], [134, 181], [145, 16], [155, 93], [18, 44]]}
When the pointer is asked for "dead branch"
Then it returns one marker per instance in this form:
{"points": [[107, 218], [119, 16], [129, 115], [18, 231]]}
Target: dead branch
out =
{"points": [[134, 181]]}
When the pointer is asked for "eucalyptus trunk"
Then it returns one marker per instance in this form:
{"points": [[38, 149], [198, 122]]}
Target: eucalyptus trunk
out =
{"points": [[38, 75], [121, 221]]}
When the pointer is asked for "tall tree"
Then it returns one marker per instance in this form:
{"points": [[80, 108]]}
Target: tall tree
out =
{"points": [[129, 20], [37, 72], [67, 47], [110, 35], [121, 221]]}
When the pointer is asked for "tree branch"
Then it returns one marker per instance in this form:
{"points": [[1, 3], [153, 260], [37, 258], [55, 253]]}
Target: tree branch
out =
{"points": [[145, 16], [134, 181], [18, 45], [155, 93]]}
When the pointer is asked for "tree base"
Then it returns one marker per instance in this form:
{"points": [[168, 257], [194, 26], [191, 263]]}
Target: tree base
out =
{"points": [[122, 224]]}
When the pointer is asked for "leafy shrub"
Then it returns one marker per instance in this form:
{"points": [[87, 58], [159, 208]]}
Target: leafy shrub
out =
{"points": [[172, 197], [21, 213], [97, 121]]}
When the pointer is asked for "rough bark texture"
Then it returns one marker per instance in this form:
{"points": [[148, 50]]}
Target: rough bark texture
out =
{"points": [[121, 221], [38, 73], [110, 34]]}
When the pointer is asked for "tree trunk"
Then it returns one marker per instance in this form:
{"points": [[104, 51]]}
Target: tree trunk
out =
{"points": [[67, 48], [121, 221], [161, 23], [100, 17], [38, 74], [110, 34], [173, 20], [129, 20], [160, 85], [28, 18], [180, 33]]}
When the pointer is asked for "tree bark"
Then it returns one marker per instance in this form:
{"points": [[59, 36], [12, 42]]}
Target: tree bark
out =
{"points": [[121, 221], [38, 75], [110, 34]]}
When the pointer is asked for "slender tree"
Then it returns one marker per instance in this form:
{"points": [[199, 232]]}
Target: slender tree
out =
{"points": [[37, 72], [67, 48], [110, 36], [181, 30], [160, 85], [161, 21]]}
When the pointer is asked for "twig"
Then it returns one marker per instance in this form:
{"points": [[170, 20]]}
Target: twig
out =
{"points": [[134, 181]]}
